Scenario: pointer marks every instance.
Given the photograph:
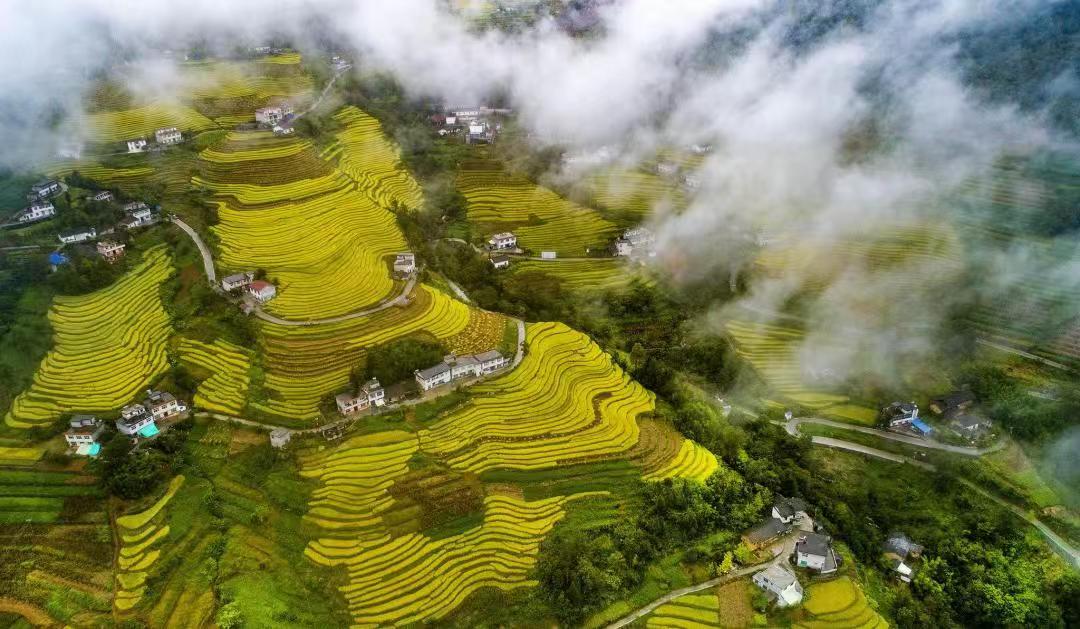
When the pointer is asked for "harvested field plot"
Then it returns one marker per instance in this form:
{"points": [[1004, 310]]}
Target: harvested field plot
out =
{"points": [[108, 345], [687, 612]]}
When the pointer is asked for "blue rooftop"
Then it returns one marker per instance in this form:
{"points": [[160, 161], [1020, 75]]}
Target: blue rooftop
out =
{"points": [[921, 426], [57, 258]]}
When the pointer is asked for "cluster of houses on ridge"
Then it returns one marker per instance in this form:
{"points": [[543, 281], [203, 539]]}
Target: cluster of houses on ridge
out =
{"points": [[954, 408], [138, 420], [455, 367], [277, 116], [166, 136], [813, 552], [637, 242], [478, 125]]}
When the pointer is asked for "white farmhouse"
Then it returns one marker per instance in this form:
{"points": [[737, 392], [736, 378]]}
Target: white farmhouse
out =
{"points": [[814, 551], [36, 212], [136, 146], [781, 583], [111, 250], [273, 114], [261, 290], [500, 262], [162, 404], [237, 280], [432, 376], [900, 413], [45, 189], [371, 394], [548, 255], [168, 135], [279, 437], [490, 361], [83, 433], [405, 263], [103, 196], [135, 420], [77, 235], [503, 240]]}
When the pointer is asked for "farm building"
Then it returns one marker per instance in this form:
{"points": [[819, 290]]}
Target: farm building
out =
{"points": [[283, 130], [503, 240], [77, 235], [168, 135], [900, 413], [815, 551], [136, 146], [455, 367], [788, 510], [56, 259], [162, 405], [548, 255], [500, 262], [780, 583], [952, 403], [237, 280], [480, 132], [273, 114], [970, 426], [261, 290], [103, 195], [899, 552], [280, 437], [110, 250], [405, 263], [637, 239], [135, 420], [83, 433], [766, 532], [370, 394], [45, 189], [36, 212], [138, 214]]}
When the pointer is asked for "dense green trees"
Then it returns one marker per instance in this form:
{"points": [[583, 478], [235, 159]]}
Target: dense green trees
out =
{"points": [[396, 361]]}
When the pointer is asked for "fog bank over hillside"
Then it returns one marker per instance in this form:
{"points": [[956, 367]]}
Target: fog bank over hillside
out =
{"points": [[827, 126]]}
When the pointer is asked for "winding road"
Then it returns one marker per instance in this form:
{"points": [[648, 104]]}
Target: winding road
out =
{"points": [[207, 257], [1059, 544], [792, 428]]}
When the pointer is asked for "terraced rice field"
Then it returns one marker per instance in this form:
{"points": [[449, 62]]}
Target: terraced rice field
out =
{"points": [[140, 122], [773, 352], [305, 363], [687, 612], [126, 179], [229, 92], [107, 346], [20, 457], [633, 193], [484, 331], [600, 274], [414, 578], [566, 400], [225, 391], [365, 154], [542, 220], [691, 461], [839, 604], [322, 240], [141, 536]]}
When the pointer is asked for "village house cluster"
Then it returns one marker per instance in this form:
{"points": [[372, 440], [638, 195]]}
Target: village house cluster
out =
{"points": [[478, 125], [277, 116], [635, 242], [455, 367], [84, 435], [954, 408], [140, 419], [261, 290], [371, 394], [40, 208], [166, 136]]}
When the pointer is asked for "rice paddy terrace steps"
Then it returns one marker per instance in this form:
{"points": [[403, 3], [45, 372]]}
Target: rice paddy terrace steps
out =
{"points": [[108, 345], [541, 218]]}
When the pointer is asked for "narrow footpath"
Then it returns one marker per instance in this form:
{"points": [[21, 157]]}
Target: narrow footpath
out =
{"points": [[207, 257]]}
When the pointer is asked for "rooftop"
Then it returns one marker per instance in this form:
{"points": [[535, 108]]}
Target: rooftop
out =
{"points": [[502, 235], [779, 575], [491, 354], [814, 544], [767, 530], [431, 372], [260, 285]]}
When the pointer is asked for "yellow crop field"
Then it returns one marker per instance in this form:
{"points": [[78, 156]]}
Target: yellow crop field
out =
{"points": [[567, 399], [484, 331], [285, 58], [839, 604], [773, 352], [140, 534], [413, 578], [687, 612], [126, 179], [128, 124], [321, 241], [107, 346], [692, 461], [600, 274], [366, 155], [20, 457], [226, 389], [541, 218], [632, 192], [305, 363]]}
